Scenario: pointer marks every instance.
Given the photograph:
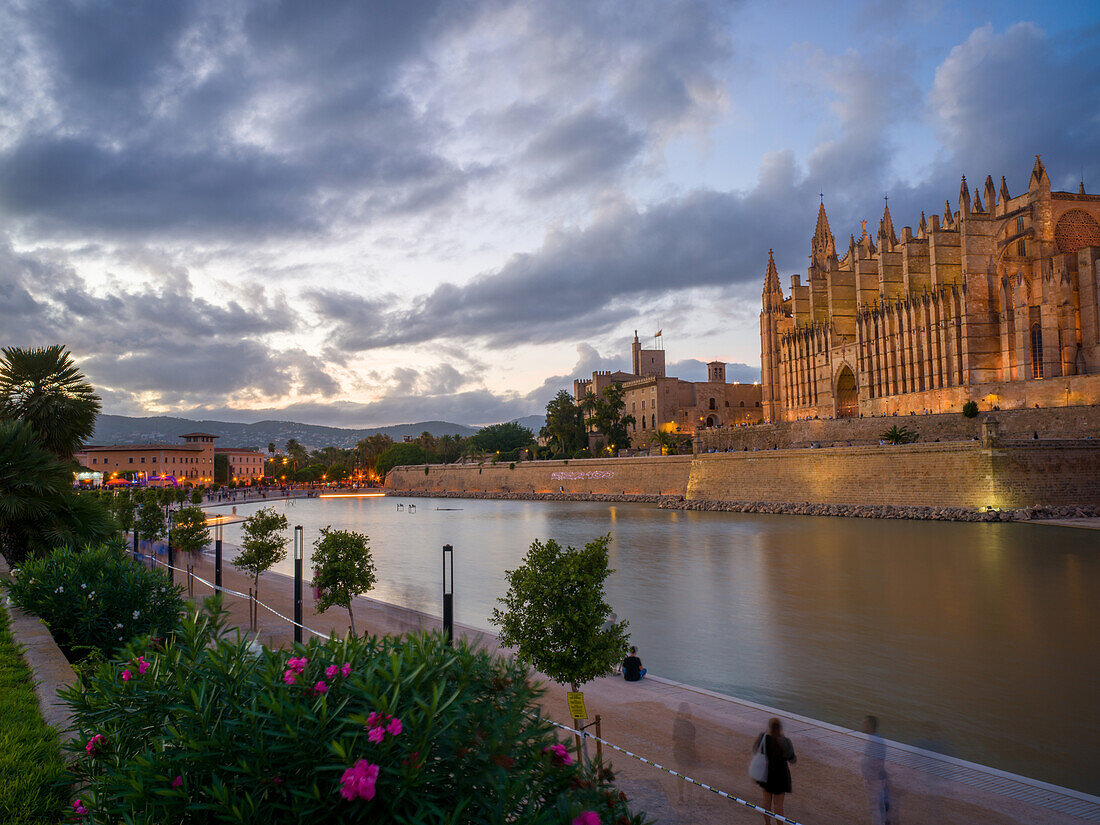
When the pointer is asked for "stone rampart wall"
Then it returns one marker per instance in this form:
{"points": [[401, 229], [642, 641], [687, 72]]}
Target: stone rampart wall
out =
{"points": [[1059, 422], [648, 475], [959, 475]]}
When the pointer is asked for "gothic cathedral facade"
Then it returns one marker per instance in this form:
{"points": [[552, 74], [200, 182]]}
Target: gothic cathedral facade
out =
{"points": [[996, 303]]}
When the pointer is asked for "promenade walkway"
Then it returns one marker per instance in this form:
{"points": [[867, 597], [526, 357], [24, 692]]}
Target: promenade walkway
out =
{"points": [[828, 790]]}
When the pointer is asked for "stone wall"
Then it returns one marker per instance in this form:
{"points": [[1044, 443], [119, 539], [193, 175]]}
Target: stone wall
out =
{"points": [[959, 475], [1059, 422], [650, 475]]}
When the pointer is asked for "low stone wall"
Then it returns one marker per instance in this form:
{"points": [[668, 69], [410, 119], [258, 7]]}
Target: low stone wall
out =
{"points": [[938, 476], [1046, 423], [645, 475]]}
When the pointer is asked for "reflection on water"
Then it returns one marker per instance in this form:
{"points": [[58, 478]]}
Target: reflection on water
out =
{"points": [[987, 631]]}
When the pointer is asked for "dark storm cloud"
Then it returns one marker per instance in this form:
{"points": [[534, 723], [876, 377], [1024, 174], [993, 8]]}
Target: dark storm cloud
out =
{"points": [[581, 149], [159, 341]]}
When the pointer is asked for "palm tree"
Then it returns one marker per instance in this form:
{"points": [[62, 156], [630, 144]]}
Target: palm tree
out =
{"points": [[45, 389], [38, 509]]}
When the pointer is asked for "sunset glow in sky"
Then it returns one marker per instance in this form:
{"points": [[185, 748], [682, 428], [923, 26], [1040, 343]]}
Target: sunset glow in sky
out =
{"points": [[364, 214]]}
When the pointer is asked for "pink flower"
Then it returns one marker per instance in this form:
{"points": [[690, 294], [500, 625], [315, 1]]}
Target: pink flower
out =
{"points": [[345, 670], [78, 808], [359, 781], [178, 782], [297, 664], [290, 677], [375, 718], [376, 735], [331, 671], [394, 727], [561, 754], [126, 675], [95, 743], [587, 818], [320, 688], [142, 666]]}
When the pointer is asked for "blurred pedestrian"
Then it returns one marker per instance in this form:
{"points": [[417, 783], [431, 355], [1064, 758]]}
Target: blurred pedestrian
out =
{"points": [[780, 754], [873, 768], [683, 744]]}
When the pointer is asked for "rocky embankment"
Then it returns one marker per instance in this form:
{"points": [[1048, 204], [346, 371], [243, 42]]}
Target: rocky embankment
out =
{"points": [[786, 509]]}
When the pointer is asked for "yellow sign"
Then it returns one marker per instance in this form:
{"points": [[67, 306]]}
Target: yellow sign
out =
{"points": [[576, 705]]}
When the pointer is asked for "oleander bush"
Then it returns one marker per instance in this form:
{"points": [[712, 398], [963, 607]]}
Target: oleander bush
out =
{"points": [[207, 728], [97, 599]]}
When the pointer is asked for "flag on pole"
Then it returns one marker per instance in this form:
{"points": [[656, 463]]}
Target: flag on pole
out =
{"points": [[658, 335]]}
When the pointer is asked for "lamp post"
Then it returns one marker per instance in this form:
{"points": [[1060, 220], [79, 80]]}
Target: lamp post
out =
{"points": [[218, 556], [299, 549], [448, 594]]}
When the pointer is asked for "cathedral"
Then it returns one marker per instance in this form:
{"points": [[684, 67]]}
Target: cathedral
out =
{"points": [[996, 302]]}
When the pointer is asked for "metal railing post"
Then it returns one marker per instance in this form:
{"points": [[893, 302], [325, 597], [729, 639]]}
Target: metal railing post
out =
{"points": [[299, 550], [448, 594]]}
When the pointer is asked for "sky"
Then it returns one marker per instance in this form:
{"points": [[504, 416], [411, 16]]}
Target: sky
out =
{"points": [[360, 214]]}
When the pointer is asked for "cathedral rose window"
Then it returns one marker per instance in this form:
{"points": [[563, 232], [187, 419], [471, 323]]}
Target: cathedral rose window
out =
{"points": [[1075, 230]]}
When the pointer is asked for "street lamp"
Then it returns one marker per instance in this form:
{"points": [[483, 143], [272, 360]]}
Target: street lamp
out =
{"points": [[448, 594], [299, 549]]}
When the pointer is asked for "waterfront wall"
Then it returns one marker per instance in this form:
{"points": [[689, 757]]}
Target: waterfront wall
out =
{"points": [[1046, 423], [939, 475]]}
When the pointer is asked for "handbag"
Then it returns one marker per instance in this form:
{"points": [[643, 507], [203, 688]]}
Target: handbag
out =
{"points": [[758, 765]]}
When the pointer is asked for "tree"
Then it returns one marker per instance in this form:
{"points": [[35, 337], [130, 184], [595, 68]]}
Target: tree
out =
{"points": [[900, 435], [196, 497], [263, 545], [150, 518], [297, 454], [605, 414], [501, 438], [344, 569], [44, 389], [271, 447], [400, 455], [565, 423], [189, 532], [555, 614]]}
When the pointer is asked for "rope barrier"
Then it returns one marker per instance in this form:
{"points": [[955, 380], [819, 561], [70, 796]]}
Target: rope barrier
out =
{"points": [[232, 592], [751, 805]]}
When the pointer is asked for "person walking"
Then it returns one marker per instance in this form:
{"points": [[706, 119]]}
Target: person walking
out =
{"points": [[873, 768], [780, 755]]}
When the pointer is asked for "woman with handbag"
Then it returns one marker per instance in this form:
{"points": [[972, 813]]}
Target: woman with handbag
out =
{"points": [[772, 755]]}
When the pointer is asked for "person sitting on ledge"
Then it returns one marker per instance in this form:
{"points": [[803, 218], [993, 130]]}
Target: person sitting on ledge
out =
{"points": [[632, 666]]}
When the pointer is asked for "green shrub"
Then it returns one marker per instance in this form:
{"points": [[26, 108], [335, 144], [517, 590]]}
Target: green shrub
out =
{"points": [[205, 730], [96, 598], [970, 409], [900, 435]]}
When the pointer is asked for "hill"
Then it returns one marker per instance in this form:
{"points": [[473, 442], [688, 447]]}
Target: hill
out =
{"points": [[122, 429]]}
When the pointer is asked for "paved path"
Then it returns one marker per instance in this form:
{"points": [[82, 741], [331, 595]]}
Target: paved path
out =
{"points": [[928, 788]]}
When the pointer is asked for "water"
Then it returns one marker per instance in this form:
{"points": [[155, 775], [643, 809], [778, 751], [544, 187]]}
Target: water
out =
{"points": [[980, 639]]}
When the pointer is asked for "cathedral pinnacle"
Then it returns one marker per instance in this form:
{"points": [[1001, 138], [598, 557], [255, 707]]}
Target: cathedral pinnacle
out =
{"points": [[771, 277], [823, 246]]}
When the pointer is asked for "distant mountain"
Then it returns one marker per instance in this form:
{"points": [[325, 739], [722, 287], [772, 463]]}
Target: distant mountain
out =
{"points": [[533, 422], [122, 429]]}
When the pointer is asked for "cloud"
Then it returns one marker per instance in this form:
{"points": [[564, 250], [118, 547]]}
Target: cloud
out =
{"points": [[692, 369]]}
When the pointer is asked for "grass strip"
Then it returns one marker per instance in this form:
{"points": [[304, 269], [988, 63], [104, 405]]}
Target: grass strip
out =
{"points": [[31, 771]]}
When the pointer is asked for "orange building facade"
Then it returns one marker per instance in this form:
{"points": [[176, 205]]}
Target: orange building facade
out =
{"points": [[192, 461]]}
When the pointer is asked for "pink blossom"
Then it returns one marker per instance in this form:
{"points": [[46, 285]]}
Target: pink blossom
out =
{"points": [[142, 665], [394, 727], [376, 735], [345, 670], [320, 688], [375, 718], [178, 782], [78, 808], [95, 743], [587, 818], [126, 675], [290, 677], [297, 664], [359, 781], [561, 754], [331, 671]]}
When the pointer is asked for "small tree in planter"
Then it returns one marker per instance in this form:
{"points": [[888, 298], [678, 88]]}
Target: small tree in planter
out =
{"points": [[150, 520], [190, 534], [555, 614], [343, 569], [263, 545]]}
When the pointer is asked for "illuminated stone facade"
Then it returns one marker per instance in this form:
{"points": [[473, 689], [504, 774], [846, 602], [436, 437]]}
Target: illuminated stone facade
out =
{"points": [[996, 303]]}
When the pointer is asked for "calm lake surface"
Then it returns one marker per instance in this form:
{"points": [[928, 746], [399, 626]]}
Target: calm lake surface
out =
{"points": [[981, 640]]}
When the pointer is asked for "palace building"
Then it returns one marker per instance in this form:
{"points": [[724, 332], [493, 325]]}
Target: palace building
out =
{"points": [[658, 401], [191, 462], [997, 302]]}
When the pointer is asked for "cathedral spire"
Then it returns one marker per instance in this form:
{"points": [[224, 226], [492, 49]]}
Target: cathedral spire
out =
{"points": [[990, 193], [978, 201], [1004, 191], [823, 245], [771, 277], [947, 219], [886, 234], [964, 199], [1038, 175], [923, 223]]}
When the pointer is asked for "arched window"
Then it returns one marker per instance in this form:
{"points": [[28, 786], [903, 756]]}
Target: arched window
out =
{"points": [[742, 403], [1036, 351], [712, 406], [653, 421], [643, 422]]}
